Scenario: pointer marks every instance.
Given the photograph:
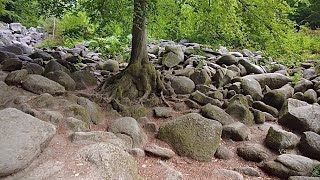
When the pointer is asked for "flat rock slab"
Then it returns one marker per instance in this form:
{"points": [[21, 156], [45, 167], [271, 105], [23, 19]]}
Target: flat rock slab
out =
{"points": [[22, 138], [159, 151]]}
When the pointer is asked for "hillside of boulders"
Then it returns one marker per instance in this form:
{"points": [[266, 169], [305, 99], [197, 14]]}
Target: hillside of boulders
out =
{"points": [[226, 116]]}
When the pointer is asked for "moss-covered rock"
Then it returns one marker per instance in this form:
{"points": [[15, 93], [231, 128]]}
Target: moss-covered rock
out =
{"points": [[192, 136], [39, 84], [63, 79], [83, 79], [278, 139], [238, 108], [203, 99], [216, 113], [78, 112], [200, 76], [277, 97], [16, 77], [111, 65], [92, 108], [182, 85]]}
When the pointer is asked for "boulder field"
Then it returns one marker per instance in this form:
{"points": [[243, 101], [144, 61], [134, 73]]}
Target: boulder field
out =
{"points": [[229, 117]]}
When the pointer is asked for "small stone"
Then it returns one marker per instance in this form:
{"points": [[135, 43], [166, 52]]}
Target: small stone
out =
{"points": [[163, 112], [159, 151], [137, 152], [249, 171], [236, 131], [224, 153]]}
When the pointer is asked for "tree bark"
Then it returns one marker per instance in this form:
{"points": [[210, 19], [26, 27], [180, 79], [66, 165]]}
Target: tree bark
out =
{"points": [[139, 52], [140, 78]]}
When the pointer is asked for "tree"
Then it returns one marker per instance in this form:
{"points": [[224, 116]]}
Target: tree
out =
{"points": [[140, 78]]}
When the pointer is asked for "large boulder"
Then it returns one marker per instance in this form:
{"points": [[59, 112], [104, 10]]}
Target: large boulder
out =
{"points": [[111, 65], [7, 94], [111, 162], [272, 80], [300, 116], [310, 145], [22, 138], [251, 87], [92, 108], [34, 68], [182, 85], [200, 76], [16, 77], [236, 131], [63, 79], [41, 54], [278, 139], [39, 84], [214, 112], [251, 68], [277, 97], [265, 108], [287, 165], [253, 152], [13, 49], [227, 60], [11, 64], [303, 85], [204, 99], [174, 55], [54, 66], [131, 128], [238, 108], [193, 136], [84, 79]]}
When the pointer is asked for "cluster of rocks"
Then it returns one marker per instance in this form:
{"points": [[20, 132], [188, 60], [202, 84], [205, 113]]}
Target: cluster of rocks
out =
{"points": [[16, 34], [231, 92]]}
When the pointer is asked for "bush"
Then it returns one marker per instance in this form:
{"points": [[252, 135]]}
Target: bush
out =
{"points": [[110, 47]]}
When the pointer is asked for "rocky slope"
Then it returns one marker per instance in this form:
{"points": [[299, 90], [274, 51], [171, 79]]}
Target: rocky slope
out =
{"points": [[229, 118]]}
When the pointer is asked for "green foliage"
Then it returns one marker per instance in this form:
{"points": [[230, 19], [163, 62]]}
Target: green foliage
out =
{"points": [[110, 47], [56, 8], [22, 11], [113, 17], [296, 77], [316, 171], [76, 26]]}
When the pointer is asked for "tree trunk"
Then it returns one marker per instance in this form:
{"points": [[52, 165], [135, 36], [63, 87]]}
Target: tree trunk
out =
{"points": [[139, 52], [140, 78]]}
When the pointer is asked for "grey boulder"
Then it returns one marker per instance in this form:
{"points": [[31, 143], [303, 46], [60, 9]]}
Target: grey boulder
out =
{"points": [[39, 84], [300, 116], [287, 165], [192, 136], [310, 145], [22, 138]]}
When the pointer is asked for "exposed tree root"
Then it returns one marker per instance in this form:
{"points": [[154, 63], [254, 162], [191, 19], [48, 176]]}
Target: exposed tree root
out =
{"points": [[137, 81]]}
